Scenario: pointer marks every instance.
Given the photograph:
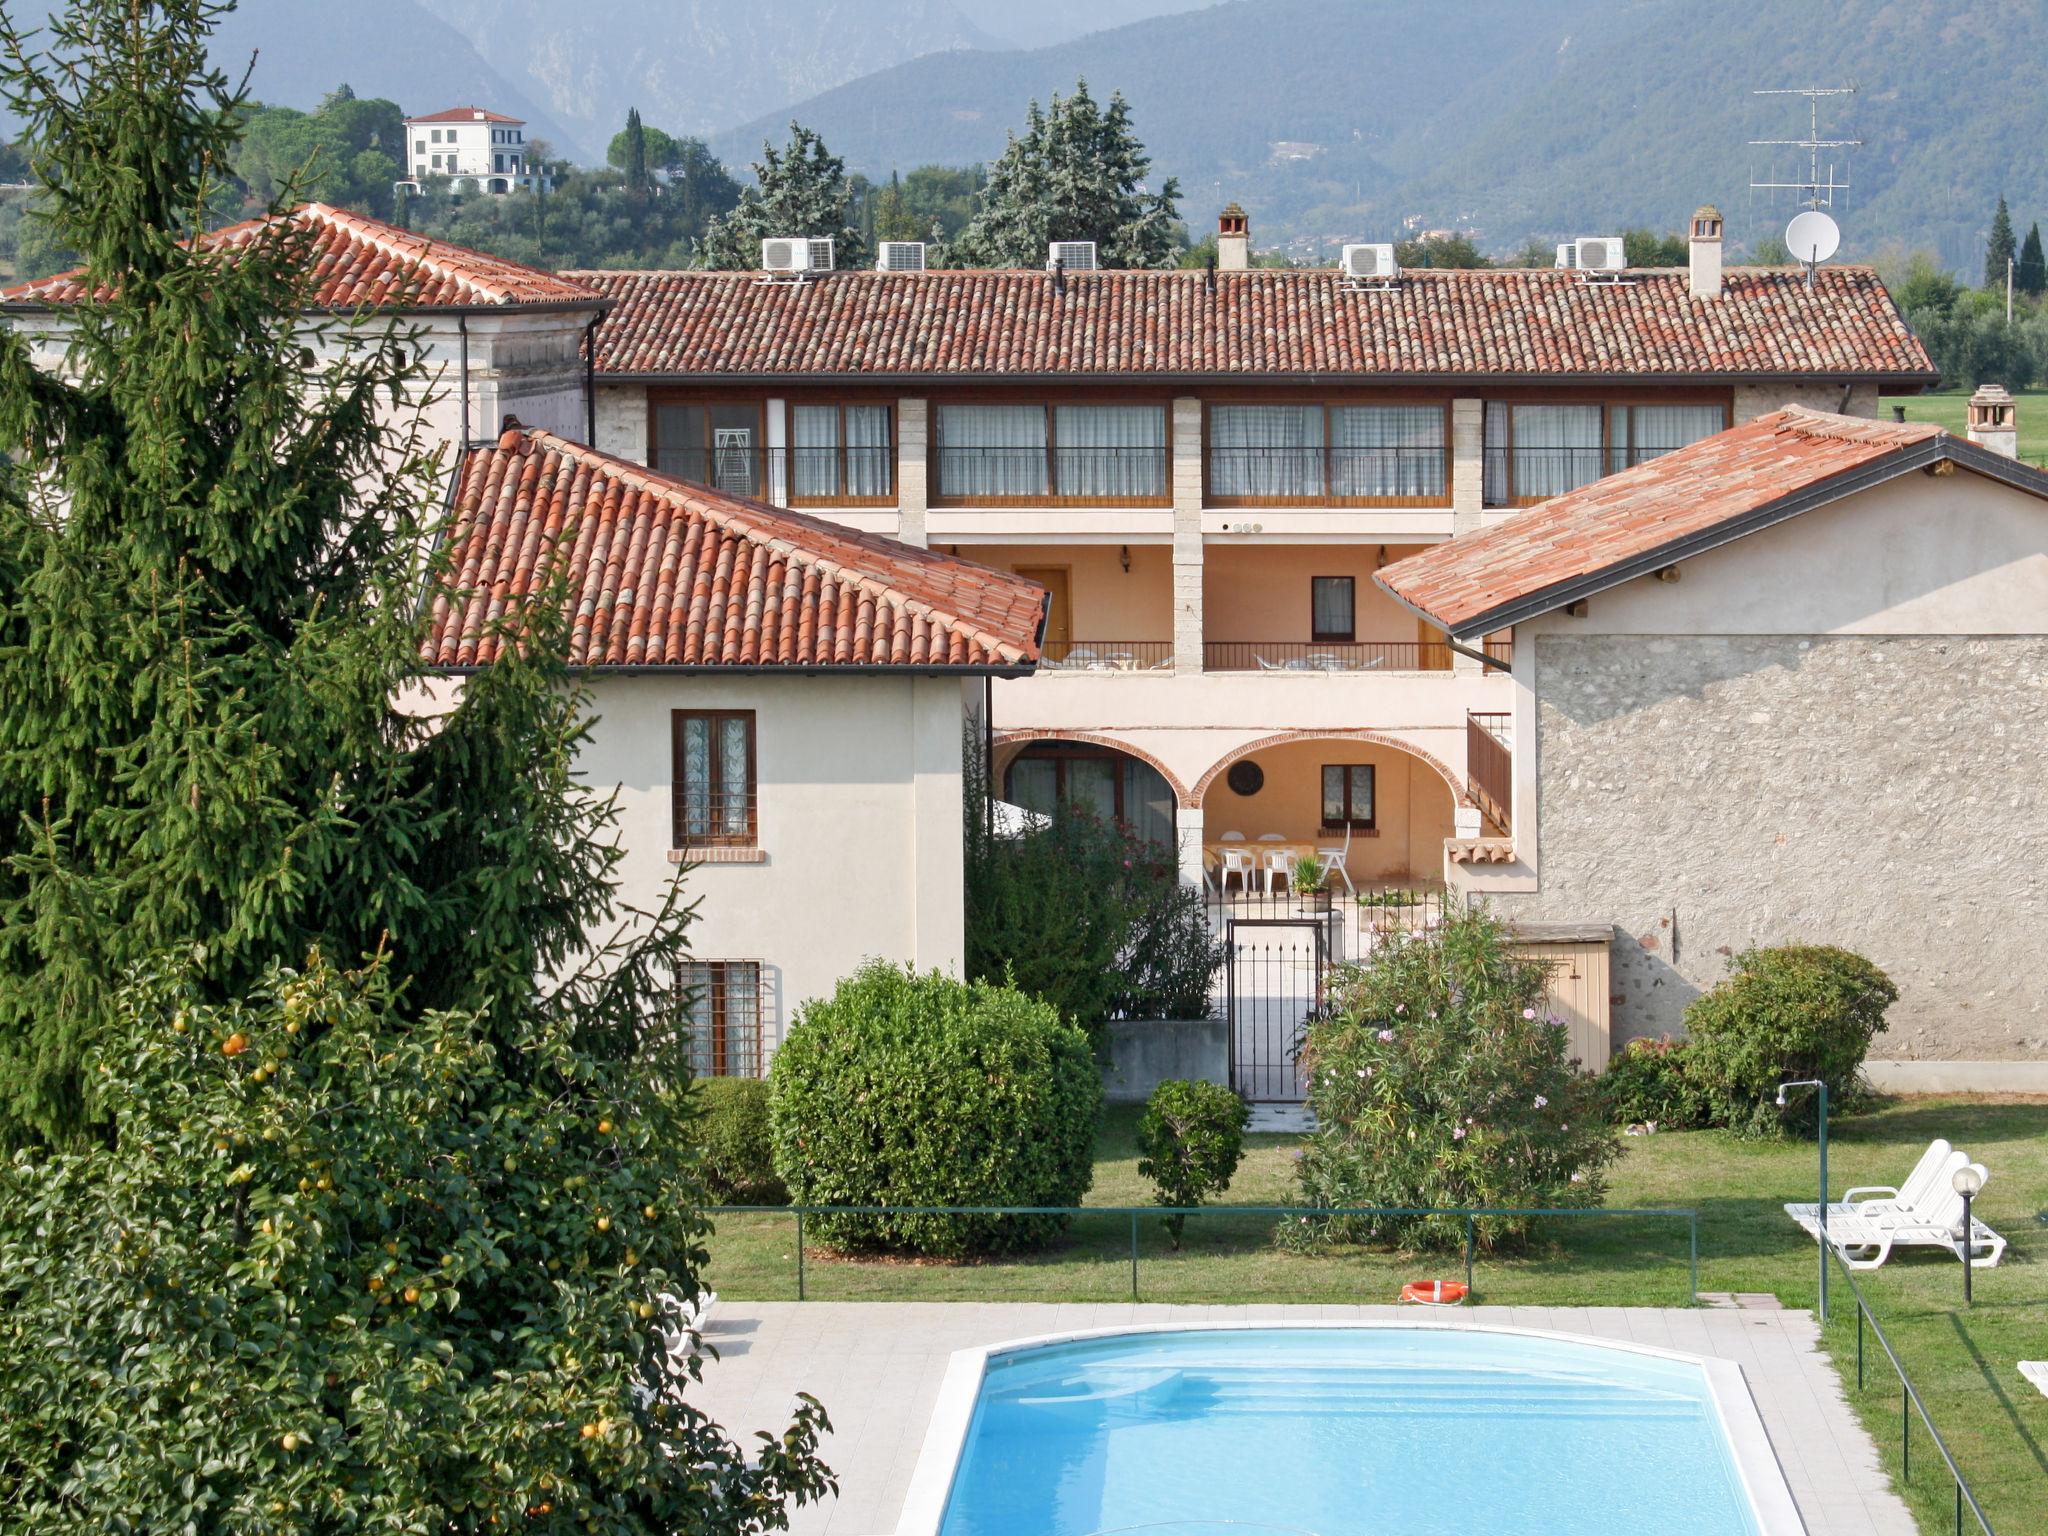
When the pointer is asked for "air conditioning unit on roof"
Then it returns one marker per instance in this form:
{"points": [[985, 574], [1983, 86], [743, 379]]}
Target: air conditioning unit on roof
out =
{"points": [[1370, 261], [796, 253], [899, 256], [1071, 255], [1597, 253]]}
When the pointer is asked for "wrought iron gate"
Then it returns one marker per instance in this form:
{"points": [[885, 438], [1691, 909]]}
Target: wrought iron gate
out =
{"points": [[1273, 982]]}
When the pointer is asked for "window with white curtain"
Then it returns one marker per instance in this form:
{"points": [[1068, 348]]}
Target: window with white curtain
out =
{"points": [[840, 450], [1387, 451], [1266, 452], [1536, 451], [991, 452], [721, 1011], [1638, 433], [1110, 452], [712, 777]]}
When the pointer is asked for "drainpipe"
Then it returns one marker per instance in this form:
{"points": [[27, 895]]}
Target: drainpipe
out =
{"points": [[1480, 656], [590, 380], [988, 750], [462, 325]]}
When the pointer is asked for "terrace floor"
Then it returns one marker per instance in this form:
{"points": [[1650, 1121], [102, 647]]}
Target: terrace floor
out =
{"points": [[877, 1367]]}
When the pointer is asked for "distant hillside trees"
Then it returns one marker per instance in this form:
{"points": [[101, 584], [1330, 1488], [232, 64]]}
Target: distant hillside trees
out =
{"points": [[801, 190], [2032, 276], [1077, 172], [1999, 250], [347, 151]]}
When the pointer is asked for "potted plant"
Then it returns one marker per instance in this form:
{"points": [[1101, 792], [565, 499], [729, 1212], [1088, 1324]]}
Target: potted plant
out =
{"points": [[1309, 874]]}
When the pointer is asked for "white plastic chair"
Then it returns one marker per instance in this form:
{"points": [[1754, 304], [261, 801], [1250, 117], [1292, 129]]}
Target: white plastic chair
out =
{"points": [[1333, 860], [1278, 864], [1866, 1240], [1234, 861], [1938, 1162]]}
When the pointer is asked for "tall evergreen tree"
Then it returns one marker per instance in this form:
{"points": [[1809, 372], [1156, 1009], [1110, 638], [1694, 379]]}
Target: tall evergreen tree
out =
{"points": [[1999, 251], [2032, 274], [210, 562], [636, 152], [1076, 173], [801, 190]]}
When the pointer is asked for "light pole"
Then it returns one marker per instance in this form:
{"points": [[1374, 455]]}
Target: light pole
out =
{"points": [[1967, 1180], [1814, 1082]]}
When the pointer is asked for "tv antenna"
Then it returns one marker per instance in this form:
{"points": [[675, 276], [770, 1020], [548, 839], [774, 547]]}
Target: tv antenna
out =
{"points": [[1817, 191]]}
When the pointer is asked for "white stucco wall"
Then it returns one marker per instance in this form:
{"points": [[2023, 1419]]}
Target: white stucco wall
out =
{"points": [[859, 817]]}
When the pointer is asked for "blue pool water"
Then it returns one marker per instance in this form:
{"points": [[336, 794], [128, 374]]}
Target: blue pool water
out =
{"points": [[1343, 1432]]}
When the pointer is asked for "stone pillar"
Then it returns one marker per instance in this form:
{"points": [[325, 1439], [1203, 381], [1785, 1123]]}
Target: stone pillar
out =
{"points": [[1468, 483], [1466, 821], [913, 438], [1189, 825], [1187, 535]]}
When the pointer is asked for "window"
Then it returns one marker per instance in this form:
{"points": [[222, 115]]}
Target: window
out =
{"points": [[435, 135], [419, 146], [1332, 607], [1538, 451], [1077, 453], [840, 453], [1103, 782], [714, 445], [1341, 454], [1347, 796], [712, 780], [721, 1010]]}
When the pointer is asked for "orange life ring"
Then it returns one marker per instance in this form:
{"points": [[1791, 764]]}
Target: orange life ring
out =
{"points": [[1434, 1293]]}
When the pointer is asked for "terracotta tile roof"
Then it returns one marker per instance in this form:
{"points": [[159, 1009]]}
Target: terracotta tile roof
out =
{"points": [[363, 263], [1772, 466], [1435, 324], [665, 574], [466, 115]]}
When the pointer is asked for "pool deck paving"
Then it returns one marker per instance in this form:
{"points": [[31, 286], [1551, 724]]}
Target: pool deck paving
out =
{"points": [[877, 1367]]}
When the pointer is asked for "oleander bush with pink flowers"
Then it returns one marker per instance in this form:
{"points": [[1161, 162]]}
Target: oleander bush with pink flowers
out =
{"points": [[1439, 1079]]}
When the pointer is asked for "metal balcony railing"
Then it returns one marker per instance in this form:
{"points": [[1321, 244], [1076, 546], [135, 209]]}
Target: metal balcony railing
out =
{"points": [[970, 474], [1326, 656], [1328, 476], [839, 476], [1107, 656]]}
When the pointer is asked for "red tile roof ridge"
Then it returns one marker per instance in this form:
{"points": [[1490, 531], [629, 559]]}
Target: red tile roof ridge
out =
{"points": [[771, 528], [1832, 426]]}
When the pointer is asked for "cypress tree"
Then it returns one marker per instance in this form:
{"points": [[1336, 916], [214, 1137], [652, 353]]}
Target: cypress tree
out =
{"points": [[2032, 273], [636, 152], [1998, 252], [210, 568], [1076, 173]]}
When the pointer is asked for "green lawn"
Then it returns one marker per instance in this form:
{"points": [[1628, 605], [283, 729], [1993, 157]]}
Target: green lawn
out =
{"points": [[1947, 410], [1962, 1362]]}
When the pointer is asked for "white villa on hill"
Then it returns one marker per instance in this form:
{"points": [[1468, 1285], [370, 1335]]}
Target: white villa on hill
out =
{"points": [[477, 151]]}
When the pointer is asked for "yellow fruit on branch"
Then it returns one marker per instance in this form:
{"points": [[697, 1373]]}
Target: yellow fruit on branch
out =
{"points": [[235, 1044]]}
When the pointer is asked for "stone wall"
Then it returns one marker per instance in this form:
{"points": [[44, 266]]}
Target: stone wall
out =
{"points": [[622, 421], [1884, 793]]}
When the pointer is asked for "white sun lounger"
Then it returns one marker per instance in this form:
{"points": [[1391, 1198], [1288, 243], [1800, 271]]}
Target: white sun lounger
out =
{"points": [[1866, 1241], [1937, 1164], [2036, 1371]]}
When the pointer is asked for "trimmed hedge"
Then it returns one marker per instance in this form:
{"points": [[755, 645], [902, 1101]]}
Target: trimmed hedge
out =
{"points": [[739, 1159], [906, 1089]]}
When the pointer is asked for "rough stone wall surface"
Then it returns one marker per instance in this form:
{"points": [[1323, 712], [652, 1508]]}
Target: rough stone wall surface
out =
{"points": [[1884, 793], [1755, 399], [622, 421]]}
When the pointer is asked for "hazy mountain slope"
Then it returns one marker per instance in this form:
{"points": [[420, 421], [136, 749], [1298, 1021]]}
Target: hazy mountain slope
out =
{"points": [[695, 66], [1214, 91], [391, 48], [1550, 119], [1042, 23]]}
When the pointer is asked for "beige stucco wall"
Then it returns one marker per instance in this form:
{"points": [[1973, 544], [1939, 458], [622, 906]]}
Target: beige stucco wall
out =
{"points": [[859, 816], [1261, 592], [1412, 806], [1108, 602], [1832, 731]]}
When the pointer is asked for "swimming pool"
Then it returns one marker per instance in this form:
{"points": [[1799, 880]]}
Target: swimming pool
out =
{"points": [[1350, 1430]]}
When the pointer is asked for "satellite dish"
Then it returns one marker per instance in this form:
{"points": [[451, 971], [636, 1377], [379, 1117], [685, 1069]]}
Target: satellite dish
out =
{"points": [[1812, 237]]}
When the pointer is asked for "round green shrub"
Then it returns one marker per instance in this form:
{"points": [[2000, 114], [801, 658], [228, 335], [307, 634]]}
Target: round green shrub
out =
{"points": [[1438, 1080], [739, 1158], [906, 1089], [1191, 1137], [1790, 1012], [1652, 1082]]}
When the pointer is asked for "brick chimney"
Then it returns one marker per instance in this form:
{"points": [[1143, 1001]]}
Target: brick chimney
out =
{"points": [[1994, 420], [1233, 240], [1705, 254]]}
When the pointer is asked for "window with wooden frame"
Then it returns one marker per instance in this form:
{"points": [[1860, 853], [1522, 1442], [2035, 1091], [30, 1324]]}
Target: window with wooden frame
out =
{"points": [[1348, 796], [1099, 781], [1328, 453], [713, 778], [1537, 450], [719, 444], [1050, 452], [720, 1009], [1333, 607], [841, 454]]}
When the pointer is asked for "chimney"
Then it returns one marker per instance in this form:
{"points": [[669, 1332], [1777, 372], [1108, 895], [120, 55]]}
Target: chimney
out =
{"points": [[1233, 240], [1705, 255], [1994, 422]]}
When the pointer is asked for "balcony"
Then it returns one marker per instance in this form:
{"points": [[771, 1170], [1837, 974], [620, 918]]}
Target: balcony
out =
{"points": [[1329, 476], [1047, 475], [1107, 656], [1490, 765], [1336, 656], [838, 476]]}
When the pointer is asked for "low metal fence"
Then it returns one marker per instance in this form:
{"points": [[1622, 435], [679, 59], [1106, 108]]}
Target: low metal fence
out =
{"points": [[1909, 1404], [1135, 1214]]}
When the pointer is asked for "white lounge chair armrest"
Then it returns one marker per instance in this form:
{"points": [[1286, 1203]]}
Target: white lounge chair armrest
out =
{"points": [[1861, 1191]]}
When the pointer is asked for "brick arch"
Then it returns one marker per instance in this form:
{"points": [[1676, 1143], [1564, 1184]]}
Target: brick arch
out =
{"points": [[1097, 739], [1286, 738]]}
